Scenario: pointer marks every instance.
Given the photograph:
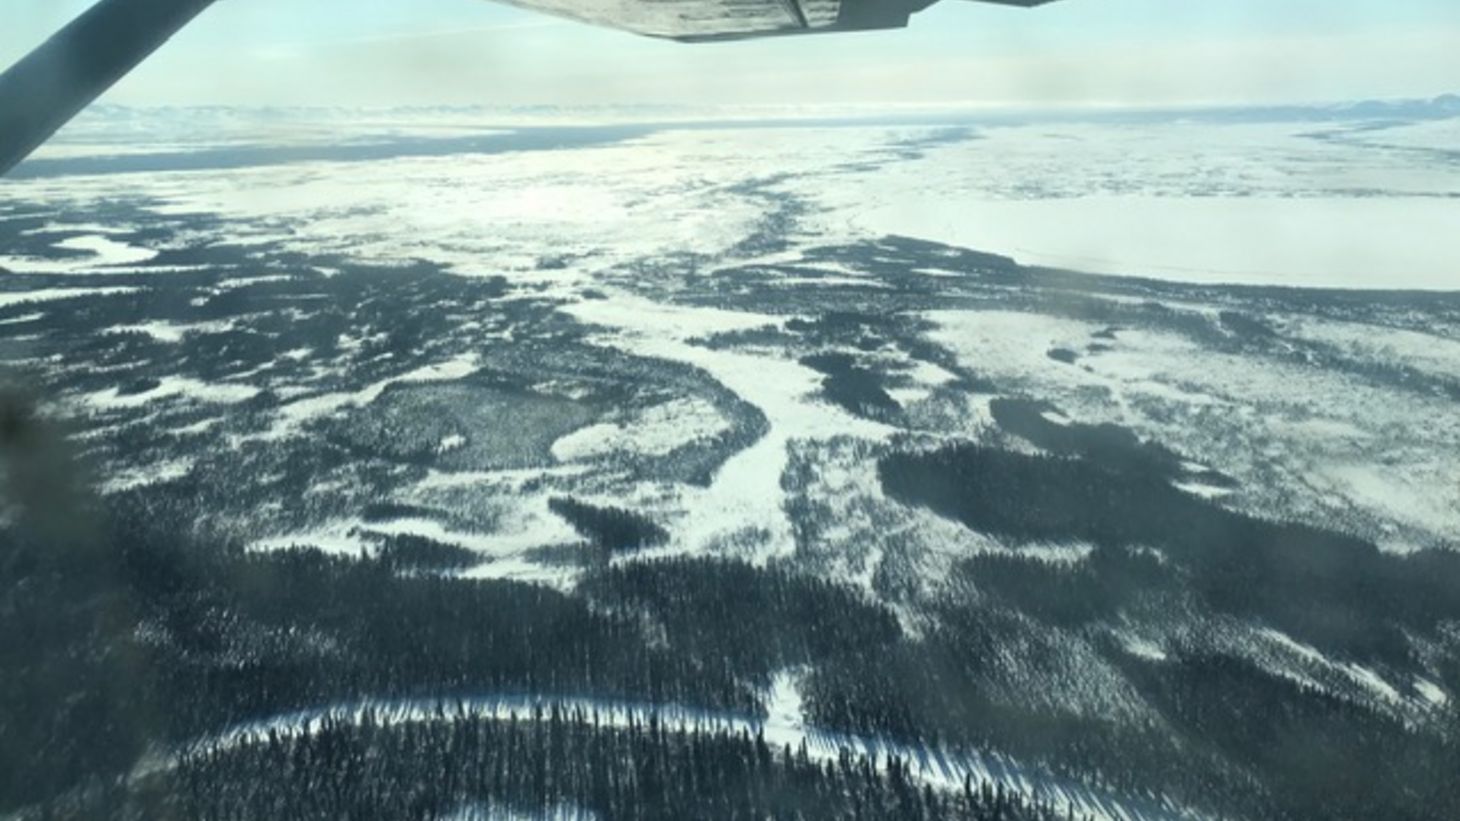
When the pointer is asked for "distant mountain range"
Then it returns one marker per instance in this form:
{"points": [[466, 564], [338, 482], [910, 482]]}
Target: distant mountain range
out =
{"points": [[1435, 108], [107, 116]]}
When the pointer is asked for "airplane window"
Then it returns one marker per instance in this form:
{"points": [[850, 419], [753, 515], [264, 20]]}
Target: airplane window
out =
{"points": [[744, 409]]}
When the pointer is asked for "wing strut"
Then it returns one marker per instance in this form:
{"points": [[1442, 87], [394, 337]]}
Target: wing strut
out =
{"points": [[52, 84]]}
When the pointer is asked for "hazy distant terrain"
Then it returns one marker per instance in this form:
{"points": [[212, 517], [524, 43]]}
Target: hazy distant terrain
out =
{"points": [[421, 465]]}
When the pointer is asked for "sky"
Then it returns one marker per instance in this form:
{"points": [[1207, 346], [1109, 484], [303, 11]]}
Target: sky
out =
{"points": [[1073, 52]]}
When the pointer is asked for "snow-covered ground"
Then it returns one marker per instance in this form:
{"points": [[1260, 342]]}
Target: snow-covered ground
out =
{"points": [[1240, 203], [943, 768], [1250, 204], [1330, 441], [1265, 203], [691, 252], [8, 298], [746, 496]]}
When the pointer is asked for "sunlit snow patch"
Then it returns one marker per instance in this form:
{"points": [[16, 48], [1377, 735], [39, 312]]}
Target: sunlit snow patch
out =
{"points": [[9, 298], [103, 253], [654, 431], [1142, 647], [1432, 692], [1315, 661], [164, 331], [147, 475], [785, 711], [743, 506], [301, 411], [504, 812], [339, 537], [174, 386]]}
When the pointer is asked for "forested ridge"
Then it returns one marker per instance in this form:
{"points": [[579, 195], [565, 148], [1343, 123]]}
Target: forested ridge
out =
{"points": [[130, 636], [1239, 736], [158, 641], [568, 761]]}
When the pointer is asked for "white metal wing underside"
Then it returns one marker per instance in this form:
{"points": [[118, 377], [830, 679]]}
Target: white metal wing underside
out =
{"points": [[695, 20]]}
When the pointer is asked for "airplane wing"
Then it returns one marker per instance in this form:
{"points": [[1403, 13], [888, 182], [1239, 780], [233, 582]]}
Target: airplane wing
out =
{"points": [[55, 82], [695, 21]]}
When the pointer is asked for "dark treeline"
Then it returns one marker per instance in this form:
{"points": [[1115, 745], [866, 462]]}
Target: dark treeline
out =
{"points": [[141, 635], [609, 529], [1114, 447], [1317, 755], [1329, 589], [866, 676], [725, 614], [1243, 739], [933, 690], [1234, 739], [554, 763], [852, 386], [1246, 325], [1070, 596], [145, 636], [69, 667], [407, 552], [300, 628]]}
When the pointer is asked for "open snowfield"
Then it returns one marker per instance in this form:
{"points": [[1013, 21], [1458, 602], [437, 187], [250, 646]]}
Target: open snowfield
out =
{"points": [[1245, 204]]}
